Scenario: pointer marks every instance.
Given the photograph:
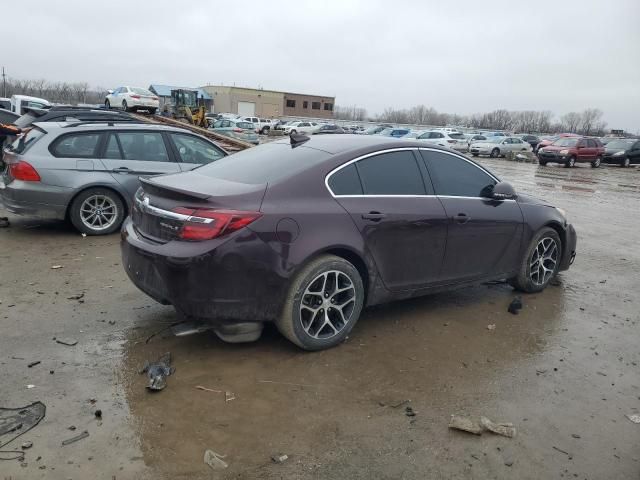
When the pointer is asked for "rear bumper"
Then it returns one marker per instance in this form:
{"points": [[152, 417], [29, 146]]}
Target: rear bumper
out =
{"points": [[28, 202], [232, 281], [569, 253]]}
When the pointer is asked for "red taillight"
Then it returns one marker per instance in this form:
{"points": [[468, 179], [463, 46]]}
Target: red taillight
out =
{"points": [[209, 224], [24, 171], [238, 130], [137, 97]]}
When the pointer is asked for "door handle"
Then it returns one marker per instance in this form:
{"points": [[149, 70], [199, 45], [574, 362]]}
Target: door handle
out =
{"points": [[121, 170], [461, 218], [373, 216]]}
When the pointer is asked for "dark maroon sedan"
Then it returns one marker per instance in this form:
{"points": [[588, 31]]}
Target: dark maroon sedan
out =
{"points": [[308, 233]]}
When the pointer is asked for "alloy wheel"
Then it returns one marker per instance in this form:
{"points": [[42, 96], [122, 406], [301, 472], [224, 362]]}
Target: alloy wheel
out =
{"points": [[626, 162], [543, 261], [327, 304], [98, 212]]}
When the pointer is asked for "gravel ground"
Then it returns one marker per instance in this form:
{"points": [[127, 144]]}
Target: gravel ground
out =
{"points": [[564, 371]]}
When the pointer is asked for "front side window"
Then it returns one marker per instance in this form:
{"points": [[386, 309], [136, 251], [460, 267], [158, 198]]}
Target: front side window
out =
{"points": [[195, 150], [455, 177], [77, 145], [393, 173], [145, 146]]}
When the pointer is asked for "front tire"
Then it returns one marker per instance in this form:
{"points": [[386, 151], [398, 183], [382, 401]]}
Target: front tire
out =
{"points": [[323, 304], [625, 163], [596, 163], [124, 105], [495, 153], [474, 154], [97, 211], [540, 263], [570, 163], [107, 104]]}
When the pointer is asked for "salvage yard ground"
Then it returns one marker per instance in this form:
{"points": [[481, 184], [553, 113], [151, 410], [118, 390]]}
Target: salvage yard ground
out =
{"points": [[564, 370]]}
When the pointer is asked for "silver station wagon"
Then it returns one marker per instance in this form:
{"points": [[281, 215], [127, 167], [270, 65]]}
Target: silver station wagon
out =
{"points": [[88, 172]]}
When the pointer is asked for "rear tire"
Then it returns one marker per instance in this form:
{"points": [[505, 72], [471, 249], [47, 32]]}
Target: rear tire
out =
{"points": [[570, 163], [124, 106], [495, 153], [311, 316], [539, 265], [625, 163], [97, 211], [474, 154], [596, 163], [107, 104]]}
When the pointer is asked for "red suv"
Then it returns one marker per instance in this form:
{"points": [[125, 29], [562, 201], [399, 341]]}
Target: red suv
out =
{"points": [[569, 150]]}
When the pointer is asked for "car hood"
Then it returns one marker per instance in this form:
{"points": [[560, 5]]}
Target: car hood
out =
{"points": [[555, 148], [614, 150]]}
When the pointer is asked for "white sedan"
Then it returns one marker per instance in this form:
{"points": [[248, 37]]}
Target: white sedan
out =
{"points": [[453, 140], [132, 98], [499, 146], [301, 127]]}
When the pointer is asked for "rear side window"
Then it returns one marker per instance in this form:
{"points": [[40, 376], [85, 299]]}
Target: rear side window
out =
{"points": [[393, 173], [245, 125], [452, 176], [76, 145], [346, 181], [195, 150], [145, 146]]}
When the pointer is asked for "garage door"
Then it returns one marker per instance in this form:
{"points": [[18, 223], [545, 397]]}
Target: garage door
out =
{"points": [[246, 109]]}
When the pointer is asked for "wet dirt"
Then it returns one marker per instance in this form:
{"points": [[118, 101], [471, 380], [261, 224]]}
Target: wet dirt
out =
{"points": [[564, 370]]}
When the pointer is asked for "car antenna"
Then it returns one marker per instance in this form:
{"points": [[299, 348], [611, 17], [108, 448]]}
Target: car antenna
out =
{"points": [[298, 139]]}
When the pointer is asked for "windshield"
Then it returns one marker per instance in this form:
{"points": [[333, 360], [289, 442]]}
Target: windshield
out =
{"points": [[620, 144], [386, 132], [566, 142], [141, 91], [458, 136]]}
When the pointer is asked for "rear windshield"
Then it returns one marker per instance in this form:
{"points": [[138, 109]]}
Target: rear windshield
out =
{"points": [[245, 125], [25, 120], [22, 143], [566, 142], [141, 91], [264, 164]]}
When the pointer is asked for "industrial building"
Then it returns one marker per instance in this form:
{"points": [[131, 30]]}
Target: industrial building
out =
{"points": [[268, 103]]}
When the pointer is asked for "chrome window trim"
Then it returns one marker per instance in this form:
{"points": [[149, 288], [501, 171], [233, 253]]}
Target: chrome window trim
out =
{"points": [[399, 149]]}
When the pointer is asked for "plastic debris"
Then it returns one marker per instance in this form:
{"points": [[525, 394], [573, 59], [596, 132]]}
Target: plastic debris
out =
{"points": [[76, 297], [33, 364], [279, 458], [56, 267], [491, 327], [504, 429], [467, 424], [158, 372], [30, 386], [214, 460], [80, 436], [515, 306], [27, 445], [69, 342], [634, 418]]}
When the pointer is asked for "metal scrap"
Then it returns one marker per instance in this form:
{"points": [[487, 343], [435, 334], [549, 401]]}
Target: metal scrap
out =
{"points": [[80, 436], [158, 372]]}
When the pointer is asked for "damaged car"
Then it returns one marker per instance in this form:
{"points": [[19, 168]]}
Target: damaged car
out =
{"points": [[306, 232]]}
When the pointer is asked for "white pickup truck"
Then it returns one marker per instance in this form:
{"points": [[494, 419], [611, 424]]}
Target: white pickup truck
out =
{"points": [[20, 102], [262, 125]]}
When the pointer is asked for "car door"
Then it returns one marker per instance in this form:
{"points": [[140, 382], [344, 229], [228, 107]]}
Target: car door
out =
{"points": [[634, 153], [403, 224], [582, 150], [131, 154], [191, 151], [484, 235], [593, 148]]}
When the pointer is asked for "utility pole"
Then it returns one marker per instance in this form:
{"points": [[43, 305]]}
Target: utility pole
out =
{"points": [[4, 83]]}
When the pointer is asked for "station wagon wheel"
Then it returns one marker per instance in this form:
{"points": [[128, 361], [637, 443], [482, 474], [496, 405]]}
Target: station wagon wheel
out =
{"points": [[495, 153], [571, 162], [97, 211], [324, 303], [596, 163], [540, 262]]}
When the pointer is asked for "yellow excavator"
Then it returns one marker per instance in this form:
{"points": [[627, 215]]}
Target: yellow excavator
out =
{"points": [[184, 107]]}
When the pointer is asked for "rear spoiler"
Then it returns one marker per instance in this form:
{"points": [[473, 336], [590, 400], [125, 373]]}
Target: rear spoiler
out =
{"points": [[37, 111], [154, 186]]}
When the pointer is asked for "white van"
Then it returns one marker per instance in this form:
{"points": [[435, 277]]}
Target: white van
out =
{"points": [[20, 102]]}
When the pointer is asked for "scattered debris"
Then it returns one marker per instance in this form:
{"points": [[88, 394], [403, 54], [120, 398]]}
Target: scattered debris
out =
{"points": [[27, 445], [76, 297], [634, 418], [603, 281], [504, 429], [84, 235], [575, 435], [112, 322], [214, 460], [508, 463], [30, 386], [279, 458], [466, 424], [71, 440], [491, 327], [33, 364], [98, 413], [4, 222], [158, 372], [228, 396], [515, 306], [408, 411], [52, 372], [71, 427], [560, 450], [56, 267], [18, 421], [69, 342]]}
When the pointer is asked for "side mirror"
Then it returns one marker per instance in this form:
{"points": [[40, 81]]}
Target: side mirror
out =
{"points": [[109, 92], [503, 191]]}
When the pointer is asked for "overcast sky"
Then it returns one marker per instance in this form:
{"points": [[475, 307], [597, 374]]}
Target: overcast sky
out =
{"points": [[456, 56]]}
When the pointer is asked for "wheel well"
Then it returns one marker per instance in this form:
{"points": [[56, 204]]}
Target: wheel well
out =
{"points": [[356, 261], [561, 233], [124, 202]]}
